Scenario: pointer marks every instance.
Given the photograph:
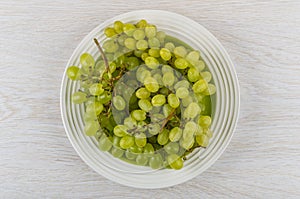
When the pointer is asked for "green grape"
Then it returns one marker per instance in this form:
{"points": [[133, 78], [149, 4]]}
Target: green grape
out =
{"points": [[199, 130], [119, 103], [154, 42], [104, 97], [91, 128], [142, 45], [172, 148], [132, 62], [187, 143], [116, 141], [165, 54], [157, 117], [182, 92], [193, 56], [182, 83], [117, 152], [166, 69], [160, 35], [158, 78], [141, 159], [148, 149], [78, 97], [163, 137], [158, 100], [110, 46], [141, 76], [181, 63], [168, 79], [141, 126], [118, 26], [154, 128], [145, 105], [164, 91], [109, 32], [121, 39], [151, 84], [130, 43], [112, 67], [138, 115], [180, 51], [104, 143], [211, 89], [128, 29], [175, 161], [186, 101], [207, 132], [202, 140], [206, 76], [86, 60], [154, 52], [140, 139], [170, 46], [199, 65], [200, 86], [87, 117], [96, 89], [120, 130], [130, 122], [73, 72], [151, 62], [193, 75], [94, 108], [129, 155], [136, 149], [150, 31], [204, 121], [175, 134], [192, 110], [138, 53], [156, 161], [141, 24], [126, 142], [167, 110], [139, 34], [144, 55], [189, 130], [142, 93]]}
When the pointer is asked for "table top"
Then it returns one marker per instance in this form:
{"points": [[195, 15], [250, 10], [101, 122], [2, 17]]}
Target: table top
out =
{"points": [[38, 37]]}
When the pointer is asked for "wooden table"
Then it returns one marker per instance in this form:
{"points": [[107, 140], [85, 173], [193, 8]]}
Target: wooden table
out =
{"points": [[36, 41]]}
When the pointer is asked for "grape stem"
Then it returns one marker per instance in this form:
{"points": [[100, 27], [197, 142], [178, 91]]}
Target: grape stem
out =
{"points": [[167, 119], [102, 54]]}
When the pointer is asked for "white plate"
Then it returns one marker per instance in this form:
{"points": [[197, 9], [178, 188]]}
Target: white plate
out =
{"points": [[225, 115]]}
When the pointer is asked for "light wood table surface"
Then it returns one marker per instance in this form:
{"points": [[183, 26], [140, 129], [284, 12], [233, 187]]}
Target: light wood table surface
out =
{"points": [[38, 37]]}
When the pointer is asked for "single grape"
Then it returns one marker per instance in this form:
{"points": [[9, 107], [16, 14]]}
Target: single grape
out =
{"points": [[118, 26], [180, 51], [73, 72], [87, 60], [193, 74], [189, 130], [94, 108], [142, 45], [202, 140], [199, 65], [181, 63], [170, 46], [141, 24], [166, 69], [160, 35], [142, 93], [165, 54], [140, 139], [154, 128], [145, 105], [152, 62], [126, 142], [200, 86], [104, 97], [138, 115], [130, 122], [154, 52], [148, 149], [158, 100], [193, 56], [104, 143], [109, 32], [117, 152], [163, 137], [155, 162], [120, 130], [172, 148], [150, 31], [175, 161], [119, 103], [182, 83], [182, 92], [91, 128], [141, 159], [110, 46], [139, 34], [211, 89], [121, 39], [96, 89], [116, 141], [128, 29], [154, 42], [144, 55], [204, 121], [191, 111], [175, 134], [187, 143], [167, 110], [78, 97], [168, 79], [135, 149], [129, 155], [151, 84], [130, 43]]}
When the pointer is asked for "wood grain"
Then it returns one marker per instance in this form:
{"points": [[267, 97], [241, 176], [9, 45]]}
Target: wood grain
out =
{"points": [[36, 41]]}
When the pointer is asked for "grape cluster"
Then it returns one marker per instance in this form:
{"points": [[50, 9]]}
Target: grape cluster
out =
{"points": [[147, 97]]}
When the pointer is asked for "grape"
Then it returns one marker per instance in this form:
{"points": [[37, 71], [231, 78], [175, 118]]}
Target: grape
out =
{"points": [[144, 55], [96, 89], [116, 141], [109, 32], [151, 84], [148, 149], [204, 121], [94, 108], [165, 54], [138, 53], [145, 105], [211, 89], [182, 92], [206, 76], [186, 101], [78, 97], [181, 63], [119, 103], [175, 134], [207, 132], [121, 39], [116, 152], [187, 143], [142, 74], [151, 62], [142, 45], [87, 60], [193, 75], [168, 79], [138, 115], [130, 43], [128, 29], [172, 148], [155, 162], [193, 56], [175, 161], [192, 110], [189, 130], [170, 46], [154, 128], [150, 31], [129, 155], [158, 78], [180, 51], [163, 137], [160, 35], [135, 149], [167, 109], [126, 142], [104, 143], [138, 34], [120, 130], [202, 140], [199, 65], [154, 43], [110, 46], [142, 93], [164, 91], [73, 72], [199, 86], [141, 159], [141, 24], [104, 97], [166, 69], [154, 52], [140, 139], [182, 83], [158, 100], [118, 26], [91, 128], [130, 122]]}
